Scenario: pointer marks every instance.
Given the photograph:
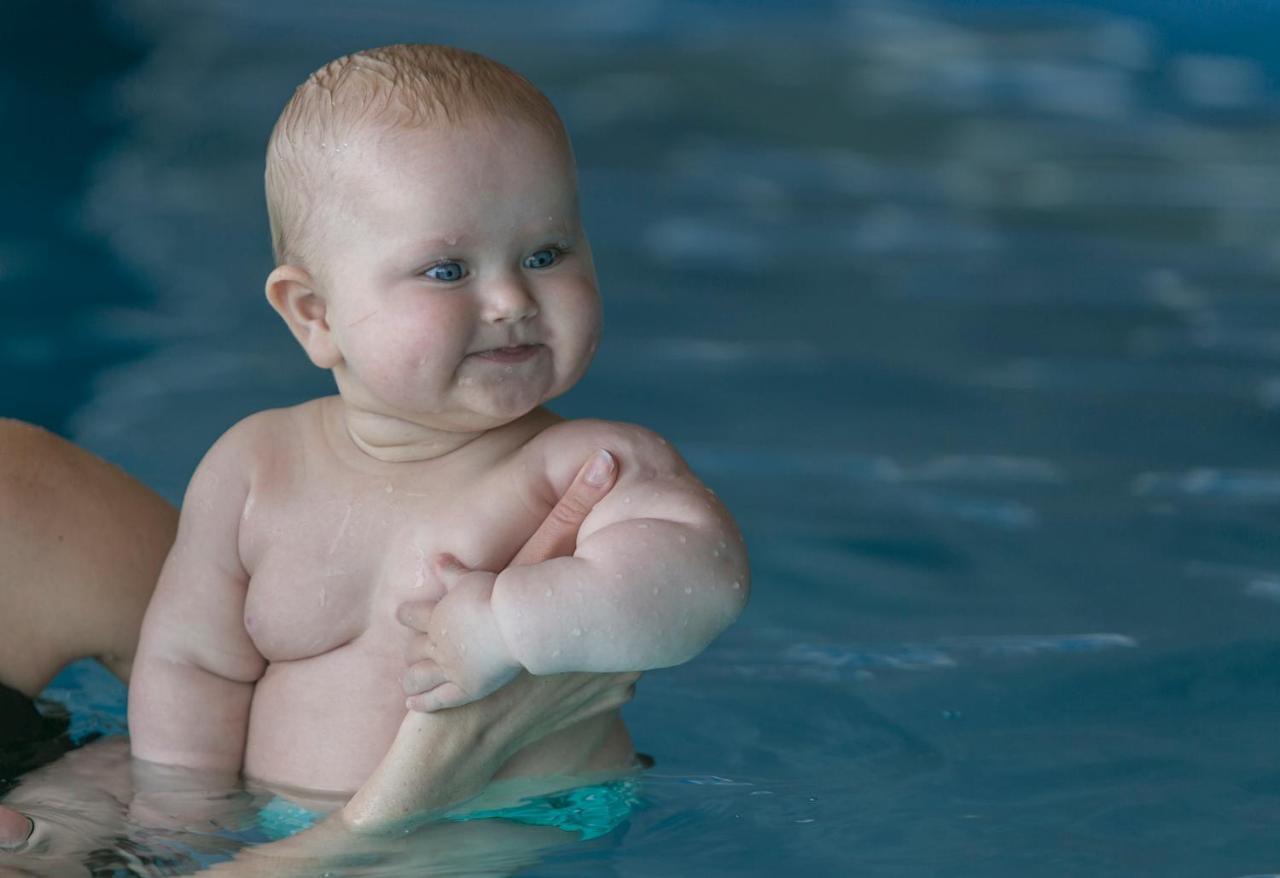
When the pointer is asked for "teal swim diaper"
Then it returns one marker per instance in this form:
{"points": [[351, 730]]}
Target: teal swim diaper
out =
{"points": [[592, 811], [281, 818]]}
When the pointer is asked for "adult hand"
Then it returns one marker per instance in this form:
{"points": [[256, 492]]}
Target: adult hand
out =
{"points": [[463, 747]]}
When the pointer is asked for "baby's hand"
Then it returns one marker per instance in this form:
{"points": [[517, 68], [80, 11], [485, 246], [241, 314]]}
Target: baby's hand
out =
{"points": [[458, 655]]}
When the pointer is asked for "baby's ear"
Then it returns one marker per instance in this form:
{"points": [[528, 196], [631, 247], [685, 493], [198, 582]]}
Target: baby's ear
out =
{"points": [[291, 292]]}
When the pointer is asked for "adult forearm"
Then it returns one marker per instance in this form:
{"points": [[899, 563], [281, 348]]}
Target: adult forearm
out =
{"points": [[437, 760]]}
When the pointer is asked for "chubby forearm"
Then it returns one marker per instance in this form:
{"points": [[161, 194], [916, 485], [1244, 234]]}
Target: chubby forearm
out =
{"points": [[180, 714], [638, 594], [196, 664]]}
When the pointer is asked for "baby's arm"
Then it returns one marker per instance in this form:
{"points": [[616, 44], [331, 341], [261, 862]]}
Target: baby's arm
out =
{"points": [[659, 571], [196, 667]]}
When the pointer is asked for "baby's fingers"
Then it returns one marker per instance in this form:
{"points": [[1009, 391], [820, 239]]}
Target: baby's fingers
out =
{"points": [[421, 648], [421, 677], [442, 697], [416, 614], [450, 570]]}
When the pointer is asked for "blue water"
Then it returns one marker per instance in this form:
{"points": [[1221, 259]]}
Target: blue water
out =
{"points": [[968, 311]]}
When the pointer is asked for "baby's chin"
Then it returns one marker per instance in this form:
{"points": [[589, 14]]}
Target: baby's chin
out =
{"points": [[500, 408]]}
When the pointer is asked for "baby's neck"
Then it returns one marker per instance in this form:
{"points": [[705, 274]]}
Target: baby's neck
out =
{"points": [[390, 439]]}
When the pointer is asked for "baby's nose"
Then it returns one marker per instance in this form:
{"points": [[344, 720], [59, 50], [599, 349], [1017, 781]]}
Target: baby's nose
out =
{"points": [[508, 300]]}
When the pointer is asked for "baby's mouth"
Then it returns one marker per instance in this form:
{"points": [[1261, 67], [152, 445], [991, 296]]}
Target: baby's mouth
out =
{"points": [[513, 354]]}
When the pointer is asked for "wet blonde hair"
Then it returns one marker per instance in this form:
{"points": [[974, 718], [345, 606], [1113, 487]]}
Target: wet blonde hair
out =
{"points": [[392, 87]]}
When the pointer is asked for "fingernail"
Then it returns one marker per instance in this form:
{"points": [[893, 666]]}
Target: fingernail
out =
{"points": [[17, 846], [600, 470]]}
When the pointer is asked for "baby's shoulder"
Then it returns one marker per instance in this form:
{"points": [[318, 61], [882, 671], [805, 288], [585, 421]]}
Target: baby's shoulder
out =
{"points": [[268, 437], [561, 449]]}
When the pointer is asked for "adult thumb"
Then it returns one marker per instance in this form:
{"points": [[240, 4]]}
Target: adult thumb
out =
{"points": [[15, 828]]}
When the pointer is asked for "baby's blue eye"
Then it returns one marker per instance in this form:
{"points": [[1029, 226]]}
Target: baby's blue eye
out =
{"points": [[542, 258], [445, 271]]}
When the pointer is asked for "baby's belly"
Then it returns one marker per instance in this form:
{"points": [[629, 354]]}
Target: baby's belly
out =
{"points": [[322, 724]]}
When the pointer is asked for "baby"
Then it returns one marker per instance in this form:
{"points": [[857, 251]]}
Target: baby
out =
{"points": [[430, 253]]}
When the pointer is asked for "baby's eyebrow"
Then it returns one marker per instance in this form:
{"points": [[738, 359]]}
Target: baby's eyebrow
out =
{"points": [[440, 242]]}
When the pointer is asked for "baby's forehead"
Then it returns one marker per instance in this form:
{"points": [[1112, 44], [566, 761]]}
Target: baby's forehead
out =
{"points": [[379, 174], [438, 151]]}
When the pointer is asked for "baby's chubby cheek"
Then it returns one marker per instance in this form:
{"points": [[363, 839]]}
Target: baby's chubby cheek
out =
{"points": [[400, 354]]}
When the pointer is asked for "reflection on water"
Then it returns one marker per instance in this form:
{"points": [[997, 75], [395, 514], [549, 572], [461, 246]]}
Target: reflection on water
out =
{"points": [[967, 310]]}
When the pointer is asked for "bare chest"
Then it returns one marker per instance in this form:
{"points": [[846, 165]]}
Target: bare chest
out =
{"points": [[330, 565]]}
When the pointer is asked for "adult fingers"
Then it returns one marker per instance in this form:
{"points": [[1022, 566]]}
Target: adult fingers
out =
{"points": [[557, 536]]}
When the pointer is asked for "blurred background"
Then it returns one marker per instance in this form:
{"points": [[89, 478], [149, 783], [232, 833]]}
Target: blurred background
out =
{"points": [[968, 310]]}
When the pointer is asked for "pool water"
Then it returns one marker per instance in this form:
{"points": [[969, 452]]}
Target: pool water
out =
{"points": [[968, 311]]}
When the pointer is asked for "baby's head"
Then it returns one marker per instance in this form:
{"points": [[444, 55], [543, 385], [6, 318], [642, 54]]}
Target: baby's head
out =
{"points": [[424, 216]]}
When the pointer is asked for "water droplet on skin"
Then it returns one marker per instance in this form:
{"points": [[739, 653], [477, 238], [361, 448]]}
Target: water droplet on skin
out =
{"points": [[655, 589], [463, 647], [388, 489], [549, 592], [723, 544], [324, 596], [644, 527], [576, 632], [715, 553], [737, 585], [683, 539], [626, 499], [662, 441], [617, 576], [555, 653], [688, 589]]}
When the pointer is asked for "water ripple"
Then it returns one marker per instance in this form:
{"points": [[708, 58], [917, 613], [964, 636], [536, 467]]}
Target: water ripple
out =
{"points": [[1244, 486], [832, 662]]}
